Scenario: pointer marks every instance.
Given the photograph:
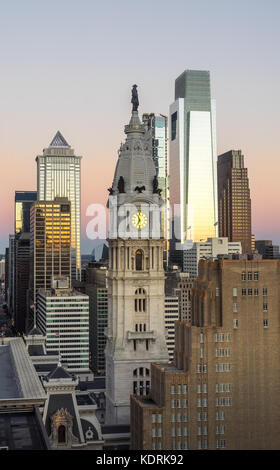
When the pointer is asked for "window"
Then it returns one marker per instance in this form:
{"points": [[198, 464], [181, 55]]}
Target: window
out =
{"points": [[265, 291], [243, 292], [217, 291], [265, 307], [140, 300], [250, 292], [235, 323], [61, 433], [243, 276], [139, 260], [185, 389], [185, 418], [173, 389], [249, 276], [179, 388], [265, 322], [234, 307], [199, 388], [173, 125], [234, 292], [256, 292], [256, 276]]}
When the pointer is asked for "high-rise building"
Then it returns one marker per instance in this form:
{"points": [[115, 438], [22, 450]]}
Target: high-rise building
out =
{"points": [[212, 249], [11, 275], [221, 392], [63, 317], [234, 199], [22, 273], [96, 289], [157, 128], [50, 244], [59, 175], [136, 312], [171, 316], [267, 249], [23, 203], [181, 284], [193, 159]]}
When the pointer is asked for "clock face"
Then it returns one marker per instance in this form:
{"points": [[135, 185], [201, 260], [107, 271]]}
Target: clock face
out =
{"points": [[139, 220]]}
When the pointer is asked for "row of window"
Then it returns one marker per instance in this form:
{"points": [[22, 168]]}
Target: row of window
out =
{"points": [[265, 322], [179, 418], [223, 401], [222, 352], [179, 431], [179, 403], [249, 276], [180, 389]]}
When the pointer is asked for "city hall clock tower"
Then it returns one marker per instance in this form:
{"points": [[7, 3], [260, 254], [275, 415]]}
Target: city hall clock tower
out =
{"points": [[136, 326]]}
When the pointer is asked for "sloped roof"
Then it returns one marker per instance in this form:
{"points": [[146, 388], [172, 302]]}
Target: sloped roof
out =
{"points": [[59, 141]]}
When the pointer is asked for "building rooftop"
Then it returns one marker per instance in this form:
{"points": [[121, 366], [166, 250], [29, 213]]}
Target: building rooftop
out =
{"points": [[23, 431], [18, 377]]}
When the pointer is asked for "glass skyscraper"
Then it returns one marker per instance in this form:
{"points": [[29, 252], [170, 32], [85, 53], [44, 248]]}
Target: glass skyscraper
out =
{"points": [[59, 175], [23, 202], [157, 130], [193, 158]]}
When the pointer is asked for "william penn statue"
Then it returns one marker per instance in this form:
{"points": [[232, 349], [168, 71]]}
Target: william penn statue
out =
{"points": [[134, 98]]}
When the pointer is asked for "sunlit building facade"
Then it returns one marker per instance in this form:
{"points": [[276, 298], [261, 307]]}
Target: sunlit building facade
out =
{"points": [[157, 128], [23, 202], [235, 221], [193, 158], [59, 174], [50, 225]]}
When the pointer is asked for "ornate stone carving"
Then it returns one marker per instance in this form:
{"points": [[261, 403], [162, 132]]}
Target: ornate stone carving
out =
{"points": [[62, 418]]}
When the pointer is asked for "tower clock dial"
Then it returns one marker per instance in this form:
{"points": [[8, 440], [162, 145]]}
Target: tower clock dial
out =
{"points": [[139, 220]]}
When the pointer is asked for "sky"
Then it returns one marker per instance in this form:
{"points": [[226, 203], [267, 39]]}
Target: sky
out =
{"points": [[69, 65]]}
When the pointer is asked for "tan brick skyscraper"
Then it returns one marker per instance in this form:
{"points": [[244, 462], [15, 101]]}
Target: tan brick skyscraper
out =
{"points": [[234, 203], [222, 390]]}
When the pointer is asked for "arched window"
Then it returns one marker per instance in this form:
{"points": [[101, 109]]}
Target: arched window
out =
{"points": [[140, 300], [139, 260], [61, 434]]}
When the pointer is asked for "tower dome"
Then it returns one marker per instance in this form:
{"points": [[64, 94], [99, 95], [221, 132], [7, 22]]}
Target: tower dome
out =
{"points": [[135, 170]]}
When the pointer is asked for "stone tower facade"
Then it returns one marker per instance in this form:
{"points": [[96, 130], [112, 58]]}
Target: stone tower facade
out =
{"points": [[136, 328]]}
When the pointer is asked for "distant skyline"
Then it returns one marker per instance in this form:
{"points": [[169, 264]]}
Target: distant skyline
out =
{"points": [[70, 65]]}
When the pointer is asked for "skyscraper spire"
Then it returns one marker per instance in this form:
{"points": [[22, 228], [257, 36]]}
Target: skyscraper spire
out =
{"points": [[59, 141]]}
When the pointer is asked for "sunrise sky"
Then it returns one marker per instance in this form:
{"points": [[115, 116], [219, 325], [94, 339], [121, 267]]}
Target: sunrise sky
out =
{"points": [[69, 65]]}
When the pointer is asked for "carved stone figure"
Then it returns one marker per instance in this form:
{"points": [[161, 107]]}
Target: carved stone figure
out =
{"points": [[134, 98], [121, 185]]}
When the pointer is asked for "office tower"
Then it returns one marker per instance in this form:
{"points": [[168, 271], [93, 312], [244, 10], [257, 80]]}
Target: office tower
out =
{"points": [[96, 289], [59, 175], [181, 284], [212, 249], [22, 273], [267, 249], [2, 269], [11, 275], [23, 203], [63, 317], [157, 129], [171, 316], [50, 244], [193, 179], [136, 323], [234, 199], [6, 274], [222, 390]]}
